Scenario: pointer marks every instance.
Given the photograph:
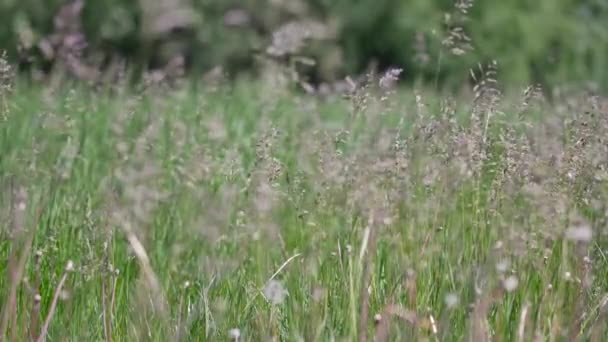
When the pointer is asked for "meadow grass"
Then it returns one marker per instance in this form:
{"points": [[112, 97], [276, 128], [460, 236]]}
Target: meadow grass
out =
{"points": [[252, 213]]}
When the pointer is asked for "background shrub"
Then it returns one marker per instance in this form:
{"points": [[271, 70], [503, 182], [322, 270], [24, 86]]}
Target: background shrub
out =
{"points": [[542, 41]]}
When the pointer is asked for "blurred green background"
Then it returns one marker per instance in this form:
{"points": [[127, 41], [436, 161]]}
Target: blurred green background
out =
{"points": [[545, 41]]}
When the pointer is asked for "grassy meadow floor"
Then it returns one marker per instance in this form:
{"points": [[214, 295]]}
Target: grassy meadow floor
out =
{"points": [[201, 215]]}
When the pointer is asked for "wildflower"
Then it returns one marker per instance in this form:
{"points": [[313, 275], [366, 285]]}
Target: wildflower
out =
{"points": [[69, 266], [510, 284], [390, 77], [234, 334], [451, 300], [502, 266]]}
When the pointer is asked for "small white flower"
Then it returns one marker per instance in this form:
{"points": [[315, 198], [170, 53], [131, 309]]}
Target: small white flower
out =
{"points": [[498, 244], [234, 334], [274, 292], [451, 300], [511, 283], [502, 266], [377, 318], [69, 267]]}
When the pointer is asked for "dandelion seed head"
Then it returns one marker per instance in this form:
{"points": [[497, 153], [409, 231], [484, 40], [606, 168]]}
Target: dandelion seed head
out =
{"points": [[502, 266], [451, 300], [377, 318], [69, 267], [234, 334], [274, 292], [510, 283]]}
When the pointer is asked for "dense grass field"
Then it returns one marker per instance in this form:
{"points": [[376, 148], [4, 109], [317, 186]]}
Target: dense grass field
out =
{"points": [[256, 213]]}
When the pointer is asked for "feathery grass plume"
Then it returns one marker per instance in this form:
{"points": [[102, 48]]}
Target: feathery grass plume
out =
{"points": [[531, 95], [6, 73], [6, 84], [474, 139], [487, 93], [387, 85], [359, 94], [263, 183], [457, 41], [454, 39]]}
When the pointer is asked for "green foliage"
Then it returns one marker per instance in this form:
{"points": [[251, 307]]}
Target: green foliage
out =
{"points": [[544, 41]]}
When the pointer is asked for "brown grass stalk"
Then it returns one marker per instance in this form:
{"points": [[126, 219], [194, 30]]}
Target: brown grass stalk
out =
{"points": [[598, 329], [112, 304], [49, 317], [16, 269], [35, 311], [149, 274], [369, 247], [576, 328], [523, 319], [104, 308], [180, 308], [480, 330], [393, 310], [104, 296]]}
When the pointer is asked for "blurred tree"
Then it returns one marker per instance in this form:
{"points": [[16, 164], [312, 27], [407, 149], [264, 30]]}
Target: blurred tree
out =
{"points": [[433, 40]]}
